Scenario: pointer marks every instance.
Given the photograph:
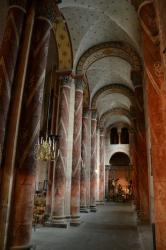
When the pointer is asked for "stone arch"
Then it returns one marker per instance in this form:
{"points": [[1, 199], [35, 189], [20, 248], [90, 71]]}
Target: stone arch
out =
{"points": [[107, 49], [63, 44], [116, 111], [113, 88], [120, 149]]}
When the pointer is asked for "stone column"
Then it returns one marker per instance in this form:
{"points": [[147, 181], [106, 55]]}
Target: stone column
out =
{"points": [[93, 162], [76, 163], [83, 182], [102, 166], [59, 217], [119, 135], [8, 57], [141, 149], [48, 211], [107, 167], [12, 129], [23, 193]]}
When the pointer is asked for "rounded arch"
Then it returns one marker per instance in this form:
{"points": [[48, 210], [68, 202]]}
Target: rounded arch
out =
{"points": [[63, 44], [121, 150], [116, 111], [107, 49], [119, 158], [113, 88]]}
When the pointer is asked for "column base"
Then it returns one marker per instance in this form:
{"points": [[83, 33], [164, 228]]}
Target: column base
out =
{"points": [[84, 209], [26, 247], [75, 221], [93, 209], [57, 222], [100, 202]]}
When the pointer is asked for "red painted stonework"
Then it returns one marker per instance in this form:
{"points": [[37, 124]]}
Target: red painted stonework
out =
{"points": [[102, 167], [93, 175], [23, 194], [61, 164], [76, 164], [84, 154], [49, 188], [156, 104], [8, 58]]}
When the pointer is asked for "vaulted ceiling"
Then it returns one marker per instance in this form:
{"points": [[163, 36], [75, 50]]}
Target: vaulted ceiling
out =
{"points": [[94, 24], [105, 37]]}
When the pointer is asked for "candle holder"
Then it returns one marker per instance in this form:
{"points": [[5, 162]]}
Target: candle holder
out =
{"points": [[45, 149]]}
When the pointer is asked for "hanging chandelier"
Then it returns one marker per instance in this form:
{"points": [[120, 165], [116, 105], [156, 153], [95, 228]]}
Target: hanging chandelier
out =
{"points": [[46, 148]]}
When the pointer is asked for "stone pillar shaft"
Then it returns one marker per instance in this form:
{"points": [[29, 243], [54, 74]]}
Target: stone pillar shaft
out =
{"points": [[8, 58], [49, 189], [21, 220], [58, 218], [93, 174], [106, 182], [76, 163], [83, 182], [102, 166], [12, 133]]}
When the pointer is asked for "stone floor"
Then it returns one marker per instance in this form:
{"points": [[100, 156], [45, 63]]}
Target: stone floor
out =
{"points": [[113, 227]]}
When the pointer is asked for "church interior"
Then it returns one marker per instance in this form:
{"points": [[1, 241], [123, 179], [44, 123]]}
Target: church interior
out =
{"points": [[82, 114]]}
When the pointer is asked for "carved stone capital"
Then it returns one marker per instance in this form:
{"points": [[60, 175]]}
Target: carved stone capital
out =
{"points": [[94, 114], [65, 80], [85, 113]]}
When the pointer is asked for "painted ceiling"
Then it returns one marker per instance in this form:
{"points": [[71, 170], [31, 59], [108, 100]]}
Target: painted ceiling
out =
{"points": [[93, 22]]}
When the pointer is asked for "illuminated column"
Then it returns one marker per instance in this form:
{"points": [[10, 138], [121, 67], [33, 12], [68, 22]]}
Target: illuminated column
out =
{"points": [[83, 181], [76, 163], [102, 166], [23, 194], [58, 216], [93, 162], [8, 57]]}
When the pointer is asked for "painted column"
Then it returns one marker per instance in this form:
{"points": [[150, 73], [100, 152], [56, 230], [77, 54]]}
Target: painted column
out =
{"points": [[8, 163], [141, 149], [93, 162], [102, 166], [8, 57], [76, 164], [83, 181], [49, 189], [107, 167], [23, 193], [58, 216]]}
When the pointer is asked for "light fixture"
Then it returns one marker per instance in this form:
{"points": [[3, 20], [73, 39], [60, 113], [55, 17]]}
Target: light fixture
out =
{"points": [[46, 148]]}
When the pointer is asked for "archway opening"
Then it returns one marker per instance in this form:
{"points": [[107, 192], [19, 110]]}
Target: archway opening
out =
{"points": [[120, 183]]}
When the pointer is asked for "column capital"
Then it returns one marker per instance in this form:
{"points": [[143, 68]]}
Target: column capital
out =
{"points": [[65, 80], [85, 113], [94, 114], [47, 10]]}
